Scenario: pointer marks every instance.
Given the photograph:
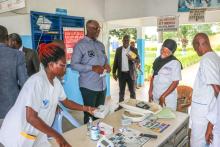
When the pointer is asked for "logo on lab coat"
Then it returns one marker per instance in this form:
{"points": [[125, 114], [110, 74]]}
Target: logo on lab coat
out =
{"points": [[45, 103]]}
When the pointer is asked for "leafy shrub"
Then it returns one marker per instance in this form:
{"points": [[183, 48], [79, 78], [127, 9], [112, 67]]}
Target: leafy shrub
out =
{"points": [[151, 49], [217, 48]]}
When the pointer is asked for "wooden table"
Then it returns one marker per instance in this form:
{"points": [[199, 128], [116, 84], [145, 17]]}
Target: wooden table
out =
{"points": [[177, 130]]}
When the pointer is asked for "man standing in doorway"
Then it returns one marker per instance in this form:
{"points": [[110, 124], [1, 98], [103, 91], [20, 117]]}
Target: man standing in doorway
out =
{"points": [[90, 60], [205, 89], [126, 57], [31, 57]]}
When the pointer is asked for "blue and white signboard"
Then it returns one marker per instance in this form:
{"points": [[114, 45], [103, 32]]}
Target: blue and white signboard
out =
{"points": [[187, 5]]}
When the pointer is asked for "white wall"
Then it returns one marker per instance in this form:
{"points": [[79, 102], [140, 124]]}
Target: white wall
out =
{"points": [[121, 13], [16, 23], [20, 23], [117, 12], [90, 9], [122, 9]]}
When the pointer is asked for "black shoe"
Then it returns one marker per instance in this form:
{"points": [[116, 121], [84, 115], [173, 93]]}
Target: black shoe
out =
{"points": [[119, 108]]}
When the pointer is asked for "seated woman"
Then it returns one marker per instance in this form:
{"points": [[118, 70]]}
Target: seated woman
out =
{"points": [[29, 121]]}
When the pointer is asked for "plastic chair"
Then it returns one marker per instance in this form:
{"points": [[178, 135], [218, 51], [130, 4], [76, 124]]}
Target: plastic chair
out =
{"points": [[63, 112], [184, 98], [73, 93]]}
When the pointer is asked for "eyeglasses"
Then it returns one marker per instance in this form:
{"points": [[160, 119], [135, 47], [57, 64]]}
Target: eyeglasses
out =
{"points": [[98, 28], [61, 65]]}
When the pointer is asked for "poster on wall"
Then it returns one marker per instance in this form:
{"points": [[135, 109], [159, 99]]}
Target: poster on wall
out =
{"points": [[187, 5], [197, 15], [71, 37], [9, 5], [167, 23]]}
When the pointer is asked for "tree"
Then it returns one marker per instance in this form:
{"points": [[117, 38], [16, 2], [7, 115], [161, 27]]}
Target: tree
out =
{"points": [[119, 33], [183, 35], [187, 31], [169, 35]]}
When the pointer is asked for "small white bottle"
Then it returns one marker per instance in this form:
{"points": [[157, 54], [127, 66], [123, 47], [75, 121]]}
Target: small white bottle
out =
{"points": [[89, 125]]}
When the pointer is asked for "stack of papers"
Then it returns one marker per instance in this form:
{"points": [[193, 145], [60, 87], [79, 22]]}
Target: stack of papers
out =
{"points": [[166, 113], [129, 138], [130, 104], [155, 126]]}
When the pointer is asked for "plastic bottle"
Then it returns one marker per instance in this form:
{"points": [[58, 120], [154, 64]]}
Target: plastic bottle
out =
{"points": [[89, 125]]}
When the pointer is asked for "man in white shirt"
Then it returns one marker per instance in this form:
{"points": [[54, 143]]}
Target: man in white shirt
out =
{"points": [[124, 65], [205, 89]]}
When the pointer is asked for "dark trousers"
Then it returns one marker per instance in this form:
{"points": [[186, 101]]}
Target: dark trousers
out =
{"points": [[1, 121], [93, 99], [123, 79]]}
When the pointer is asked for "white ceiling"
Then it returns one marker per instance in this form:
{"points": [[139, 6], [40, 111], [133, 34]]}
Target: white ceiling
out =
{"points": [[140, 13]]}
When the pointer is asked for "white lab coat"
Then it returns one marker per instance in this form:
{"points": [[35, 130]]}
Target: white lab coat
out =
{"points": [[203, 97], [214, 117], [167, 74], [42, 97]]}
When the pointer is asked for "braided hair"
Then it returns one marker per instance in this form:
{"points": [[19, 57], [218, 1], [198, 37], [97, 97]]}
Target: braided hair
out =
{"points": [[50, 53]]}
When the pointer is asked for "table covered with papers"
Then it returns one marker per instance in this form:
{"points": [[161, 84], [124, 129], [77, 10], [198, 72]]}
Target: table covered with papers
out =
{"points": [[174, 135]]}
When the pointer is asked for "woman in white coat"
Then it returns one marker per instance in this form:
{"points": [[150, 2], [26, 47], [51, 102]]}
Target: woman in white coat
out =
{"points": [[29, 121], [166, 76]]}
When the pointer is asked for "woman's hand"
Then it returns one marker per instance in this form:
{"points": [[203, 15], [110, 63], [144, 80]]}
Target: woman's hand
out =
{"points": [[62, 142], [162, 101], [90, 109], [150, 94]]}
